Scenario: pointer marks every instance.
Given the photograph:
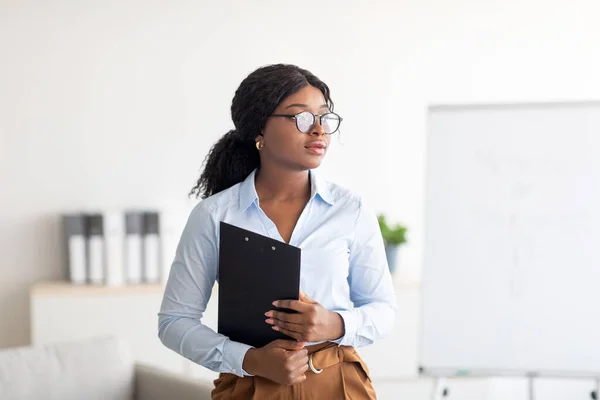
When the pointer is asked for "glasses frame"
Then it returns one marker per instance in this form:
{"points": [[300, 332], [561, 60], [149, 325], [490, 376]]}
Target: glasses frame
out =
{"points": [[315, 118]]}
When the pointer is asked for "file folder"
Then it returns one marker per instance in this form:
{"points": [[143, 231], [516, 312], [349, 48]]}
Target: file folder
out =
{"points": [[134, 252], [254, 271], [114, 240], [96, 249], [75, 232], [151, 245]]}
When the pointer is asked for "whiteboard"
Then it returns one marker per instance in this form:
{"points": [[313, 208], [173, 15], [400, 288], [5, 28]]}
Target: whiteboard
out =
{"points": [[511, 275]]}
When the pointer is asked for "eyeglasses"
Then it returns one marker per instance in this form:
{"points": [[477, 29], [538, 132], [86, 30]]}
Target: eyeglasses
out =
{"points": [[306, 120]]}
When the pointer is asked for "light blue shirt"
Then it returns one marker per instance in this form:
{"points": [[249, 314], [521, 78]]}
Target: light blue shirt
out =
{"points": [[343, 267]]}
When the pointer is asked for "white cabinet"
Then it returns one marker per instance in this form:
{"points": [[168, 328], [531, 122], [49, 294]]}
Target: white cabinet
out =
{"points": [[61, 311]]}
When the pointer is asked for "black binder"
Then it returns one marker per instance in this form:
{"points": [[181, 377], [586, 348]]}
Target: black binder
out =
{"points": [[254, 271]]}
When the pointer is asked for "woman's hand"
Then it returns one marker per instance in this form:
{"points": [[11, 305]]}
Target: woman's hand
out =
{"points": [[281, 361], [313, 323]]}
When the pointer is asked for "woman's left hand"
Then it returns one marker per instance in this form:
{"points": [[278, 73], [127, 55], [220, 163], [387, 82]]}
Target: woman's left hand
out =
{"points": [[313, 323]]}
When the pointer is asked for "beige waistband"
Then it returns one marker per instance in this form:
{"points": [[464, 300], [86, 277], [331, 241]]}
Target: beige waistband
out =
{"points": [[327, 354]]}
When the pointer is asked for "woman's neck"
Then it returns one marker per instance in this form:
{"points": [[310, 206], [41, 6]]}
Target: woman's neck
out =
{"points": [[277, 184]]}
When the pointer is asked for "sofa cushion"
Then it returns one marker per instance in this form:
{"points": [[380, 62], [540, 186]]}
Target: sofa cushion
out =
{"points": [[93, 369]]}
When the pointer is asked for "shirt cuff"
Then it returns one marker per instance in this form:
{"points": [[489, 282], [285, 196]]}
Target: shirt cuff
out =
{"points": [[350, 328], [233, 357]]}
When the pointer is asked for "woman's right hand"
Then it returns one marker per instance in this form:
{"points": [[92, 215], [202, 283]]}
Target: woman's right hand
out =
{"points": [[281, 361]]}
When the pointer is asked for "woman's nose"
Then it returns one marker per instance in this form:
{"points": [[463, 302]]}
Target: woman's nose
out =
{"points": [[317, 129]]}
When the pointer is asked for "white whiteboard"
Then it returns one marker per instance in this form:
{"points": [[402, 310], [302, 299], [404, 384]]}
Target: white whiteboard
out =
{"points": [[511, 276]]}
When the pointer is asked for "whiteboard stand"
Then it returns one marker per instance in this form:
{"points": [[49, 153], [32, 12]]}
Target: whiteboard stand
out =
{"points": [[440, 391], [531, 377], [530, 387]]}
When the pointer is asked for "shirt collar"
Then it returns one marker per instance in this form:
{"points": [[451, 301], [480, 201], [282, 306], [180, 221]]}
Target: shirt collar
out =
{"points": [[248, 193], [321, 188]]}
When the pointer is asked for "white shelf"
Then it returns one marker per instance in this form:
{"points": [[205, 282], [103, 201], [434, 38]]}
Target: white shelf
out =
{"points": [[53, 288]]}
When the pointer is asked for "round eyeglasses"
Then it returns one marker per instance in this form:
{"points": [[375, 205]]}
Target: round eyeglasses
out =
{"points": [[306, 120]]}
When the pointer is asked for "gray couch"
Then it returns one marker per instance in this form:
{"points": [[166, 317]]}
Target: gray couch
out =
{"points": [[95, 369]]}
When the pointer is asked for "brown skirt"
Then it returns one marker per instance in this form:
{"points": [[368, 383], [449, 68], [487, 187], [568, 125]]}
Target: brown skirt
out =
{"points": [[344, 376]]}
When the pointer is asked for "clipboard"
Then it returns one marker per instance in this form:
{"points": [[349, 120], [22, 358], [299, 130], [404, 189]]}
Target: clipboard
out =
{"points": [[254, 271]]}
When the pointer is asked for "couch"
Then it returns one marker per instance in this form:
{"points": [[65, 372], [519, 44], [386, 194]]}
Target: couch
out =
{"points": [[93, 369]]}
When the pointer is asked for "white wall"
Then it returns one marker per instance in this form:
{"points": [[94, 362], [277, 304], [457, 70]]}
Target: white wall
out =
{"points": [[115, 103]]}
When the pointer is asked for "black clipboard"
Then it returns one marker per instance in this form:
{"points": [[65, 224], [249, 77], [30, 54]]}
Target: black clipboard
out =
{"points": [[254, 271]]}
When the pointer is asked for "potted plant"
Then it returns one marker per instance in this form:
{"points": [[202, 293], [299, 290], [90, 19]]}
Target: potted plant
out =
{"points": [[394, 236]]}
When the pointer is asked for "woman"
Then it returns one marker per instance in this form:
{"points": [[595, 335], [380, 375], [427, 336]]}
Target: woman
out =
{"points": [[260, 177]]}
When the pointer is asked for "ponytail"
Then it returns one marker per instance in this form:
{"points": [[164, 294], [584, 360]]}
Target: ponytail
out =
{"points": [[229, 162]]}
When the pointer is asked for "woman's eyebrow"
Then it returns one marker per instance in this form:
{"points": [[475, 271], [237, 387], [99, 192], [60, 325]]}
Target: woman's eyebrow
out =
{"points": [[303, 105]]}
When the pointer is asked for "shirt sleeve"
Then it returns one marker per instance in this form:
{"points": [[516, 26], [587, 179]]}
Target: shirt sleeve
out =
{"points": [[187, 292], [371, 288]]}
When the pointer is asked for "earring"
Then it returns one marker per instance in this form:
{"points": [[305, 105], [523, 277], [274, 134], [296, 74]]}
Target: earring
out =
{"points": [[259, 145]]}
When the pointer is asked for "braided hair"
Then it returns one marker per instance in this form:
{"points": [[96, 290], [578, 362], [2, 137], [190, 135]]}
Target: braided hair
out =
{"points": [[235, 156]]}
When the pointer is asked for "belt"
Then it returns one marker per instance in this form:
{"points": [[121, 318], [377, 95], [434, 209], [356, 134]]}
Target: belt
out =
{"points": [[327, 354]]}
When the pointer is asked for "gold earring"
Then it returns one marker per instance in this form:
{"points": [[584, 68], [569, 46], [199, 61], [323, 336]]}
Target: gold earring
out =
{"points": [[259, 145]]}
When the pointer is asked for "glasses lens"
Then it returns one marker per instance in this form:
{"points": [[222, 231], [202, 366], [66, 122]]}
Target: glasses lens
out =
{"points": [[330, 122], [305, 121]]}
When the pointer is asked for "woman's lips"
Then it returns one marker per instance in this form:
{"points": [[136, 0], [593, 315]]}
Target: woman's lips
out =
{"points": [[317, 148]]}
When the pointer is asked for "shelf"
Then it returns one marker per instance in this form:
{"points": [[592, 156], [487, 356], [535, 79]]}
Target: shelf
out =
{"points": [[51, 288], [46, 288]]}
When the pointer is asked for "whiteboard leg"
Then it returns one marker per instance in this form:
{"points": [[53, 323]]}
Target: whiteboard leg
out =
{"points": [[531, 389], [439, 389]]}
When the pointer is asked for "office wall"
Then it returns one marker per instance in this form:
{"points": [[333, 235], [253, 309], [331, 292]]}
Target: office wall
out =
{"points": [[115, 103]]}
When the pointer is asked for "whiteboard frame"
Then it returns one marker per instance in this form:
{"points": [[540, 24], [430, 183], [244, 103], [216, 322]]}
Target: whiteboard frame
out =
{"points": [[458, 371]]}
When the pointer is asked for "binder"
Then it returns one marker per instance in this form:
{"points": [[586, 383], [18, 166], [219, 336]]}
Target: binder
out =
{"points": [[152, 257], [133, 247], [171, 226], [75, 236], [114, 239], [95, 241], [254, 271]]}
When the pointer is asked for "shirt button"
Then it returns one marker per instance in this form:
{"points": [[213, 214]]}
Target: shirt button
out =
{"points": [[234, 371]]}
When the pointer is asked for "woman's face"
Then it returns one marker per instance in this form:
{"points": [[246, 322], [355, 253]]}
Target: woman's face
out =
{"points": [[284, 144]]}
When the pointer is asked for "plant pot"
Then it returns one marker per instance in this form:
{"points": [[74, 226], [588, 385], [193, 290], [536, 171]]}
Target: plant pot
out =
{"points": [[391, 253]]}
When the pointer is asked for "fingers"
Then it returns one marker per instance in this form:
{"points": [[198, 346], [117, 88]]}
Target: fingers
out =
{"points": [[300, 358], [302, 369], [295, 305], [301, 376], [294, 366], [286, 317], [299, 355], [287, 321], [291, 322], [293, 334], [299, 379], [286, 325]]}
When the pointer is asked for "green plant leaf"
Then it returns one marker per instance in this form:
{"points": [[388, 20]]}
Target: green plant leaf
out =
{"points": [[392, 235]]}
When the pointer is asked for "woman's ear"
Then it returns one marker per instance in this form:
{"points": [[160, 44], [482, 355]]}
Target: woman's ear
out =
{"points": [[259, 141]]}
